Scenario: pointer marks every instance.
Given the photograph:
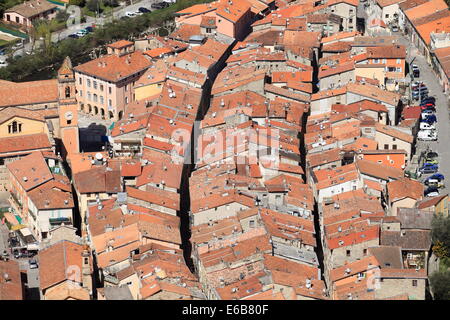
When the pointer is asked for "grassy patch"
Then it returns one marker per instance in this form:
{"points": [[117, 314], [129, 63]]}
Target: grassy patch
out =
{"points": [[444, 264], [104, 10]]}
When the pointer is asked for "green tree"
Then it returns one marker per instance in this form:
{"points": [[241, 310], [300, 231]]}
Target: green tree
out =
{"points": [[80, 3], [440, 232], [111, 3], [46, 60], [93, 5], [62, 16], [440, 284], [440, 250]]}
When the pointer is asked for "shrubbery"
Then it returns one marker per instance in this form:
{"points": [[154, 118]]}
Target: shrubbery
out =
{"points": [[50, 57]]}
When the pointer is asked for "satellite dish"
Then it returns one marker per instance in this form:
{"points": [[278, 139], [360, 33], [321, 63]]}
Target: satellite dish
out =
{"points": [[98, 156]]}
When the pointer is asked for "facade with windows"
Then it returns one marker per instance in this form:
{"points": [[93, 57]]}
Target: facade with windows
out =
{"points": [[105, 85], [25, 14]]}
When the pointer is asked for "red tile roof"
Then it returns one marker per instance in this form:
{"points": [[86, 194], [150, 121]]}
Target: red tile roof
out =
{"points": [[57, 261], [371, 233], [114, 68], [10, 281], [30, 142], [28, 93], [30, 171], [403, 188]]}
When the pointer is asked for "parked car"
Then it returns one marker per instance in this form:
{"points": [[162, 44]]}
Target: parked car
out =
{"points": [[138, 13], [427, 126], [17, 46], [424, 105], [429, 168], [130, 14], [3, 64], [426, 113], [419, 95], [431, 192], [436, 176], [2, 52], [17, 254], [159, 5], [431, 155], [427, 135], [420, 91], [434, 183], [33, 264], [82, 33], [430, 118], [73, 35], [89, 29], [431, 108], [415, 70], [144, 10], [429, 99], [432, 161], [418, 84]]}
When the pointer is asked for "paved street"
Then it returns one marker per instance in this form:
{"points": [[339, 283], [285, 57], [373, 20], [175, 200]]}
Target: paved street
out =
{"points": [[3, 237], [33, 292], [442, 146], [116, 14]]}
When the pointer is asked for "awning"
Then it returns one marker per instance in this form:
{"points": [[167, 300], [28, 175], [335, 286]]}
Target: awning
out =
{"points": [[11, 218], [25, 231], [33, 246], [111, 126], [27, 236], [18, 218], [17, 227]]}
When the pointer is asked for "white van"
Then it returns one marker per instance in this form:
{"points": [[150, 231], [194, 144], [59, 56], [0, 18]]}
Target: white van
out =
{"points": [[427, 126], [427, 135]]}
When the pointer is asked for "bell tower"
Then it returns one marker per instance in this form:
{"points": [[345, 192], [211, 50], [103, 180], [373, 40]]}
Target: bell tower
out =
{"points": [[67, 109]]}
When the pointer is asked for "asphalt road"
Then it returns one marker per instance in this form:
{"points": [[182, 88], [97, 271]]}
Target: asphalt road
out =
{"points": [[117, 14], [3, 238], [442, 146]]}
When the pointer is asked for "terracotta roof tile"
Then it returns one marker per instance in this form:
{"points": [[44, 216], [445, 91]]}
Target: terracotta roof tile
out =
{"points": [[32, 8], [378, 170], [55, 263], [114, 68], [403, 188], [425, 9], [407, 239], [30, 171], [371, 233], [156, 196], [10, 288], [353, 268], [26, 93], [32, 142], [120, 44], [393, 132]]}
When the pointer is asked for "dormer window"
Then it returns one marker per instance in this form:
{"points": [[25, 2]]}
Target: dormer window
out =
{"points": [[14, 127]]}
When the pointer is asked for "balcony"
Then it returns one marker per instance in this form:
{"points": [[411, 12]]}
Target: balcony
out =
{"points": [[59, 221], [15, 201]]}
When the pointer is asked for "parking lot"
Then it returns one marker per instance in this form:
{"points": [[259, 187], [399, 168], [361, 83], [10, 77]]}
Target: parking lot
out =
{"points": [[32, 284], [442, 145]]}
